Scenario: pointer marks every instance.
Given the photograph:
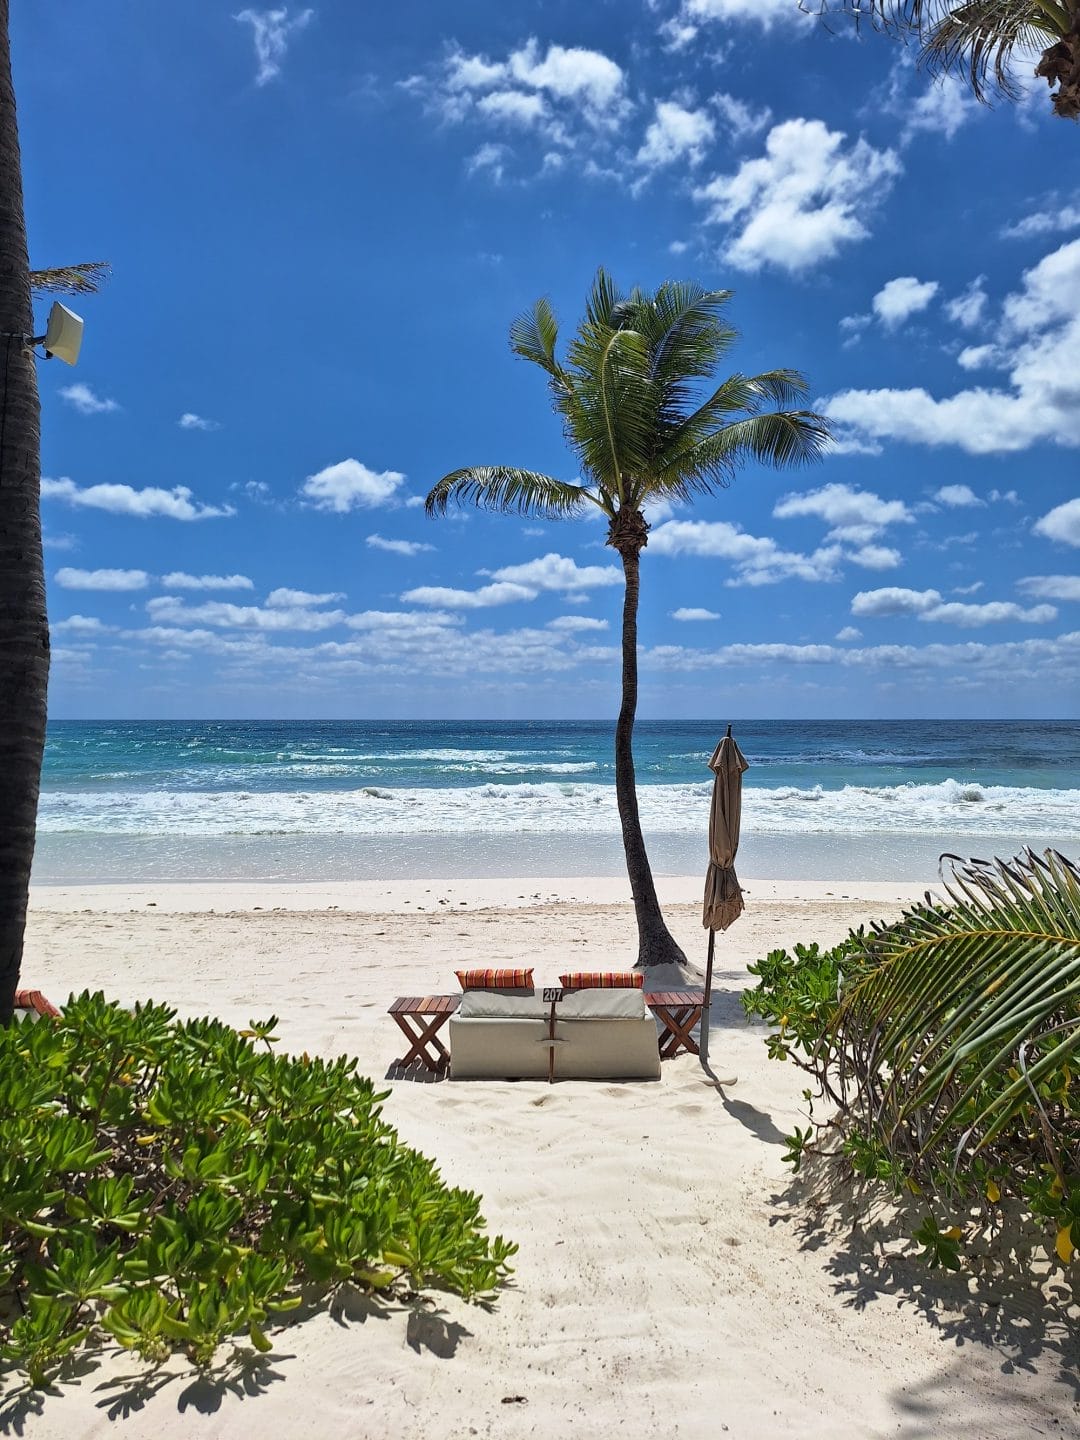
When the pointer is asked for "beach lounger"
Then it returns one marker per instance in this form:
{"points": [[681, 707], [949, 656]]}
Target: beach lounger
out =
{"points": [[593, 1035]]}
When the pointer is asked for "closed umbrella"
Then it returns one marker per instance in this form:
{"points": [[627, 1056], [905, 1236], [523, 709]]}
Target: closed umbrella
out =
{"points": [[723, 894]]}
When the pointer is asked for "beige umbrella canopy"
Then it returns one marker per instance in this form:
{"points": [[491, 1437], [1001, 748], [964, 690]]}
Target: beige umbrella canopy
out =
{"points": [[723, 894]]}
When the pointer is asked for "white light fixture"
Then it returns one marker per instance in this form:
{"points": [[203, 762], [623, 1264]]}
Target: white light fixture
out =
{"points": [[63, 334]]}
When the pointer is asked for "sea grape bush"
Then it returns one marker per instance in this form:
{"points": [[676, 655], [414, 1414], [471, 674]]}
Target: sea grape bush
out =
{"points": [[173, 1185], [946, 1048]]}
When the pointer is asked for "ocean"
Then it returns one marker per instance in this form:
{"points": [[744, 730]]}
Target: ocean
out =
{"points": [[362, 800]]}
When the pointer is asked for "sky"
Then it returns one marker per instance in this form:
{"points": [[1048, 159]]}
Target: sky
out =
{"points": [[321, 222]]}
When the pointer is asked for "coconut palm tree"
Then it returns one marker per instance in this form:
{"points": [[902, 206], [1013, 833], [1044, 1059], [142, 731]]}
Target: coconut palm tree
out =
{"points": [[628, 396], [979, 39], [24, 630]]}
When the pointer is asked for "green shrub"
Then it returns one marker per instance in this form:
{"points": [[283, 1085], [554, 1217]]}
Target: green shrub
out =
{"points": [[947, 1045], [174, 1185]]}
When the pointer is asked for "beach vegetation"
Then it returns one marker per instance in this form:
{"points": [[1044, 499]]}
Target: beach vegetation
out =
{"points": [[980, 40], [178, 1186], [647, 424], [946, 1050]]}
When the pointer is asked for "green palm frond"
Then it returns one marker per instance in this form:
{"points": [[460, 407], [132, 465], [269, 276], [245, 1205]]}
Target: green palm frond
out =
{"points": [[533, 336], [957, 996], [500, 487], [778, 438], [610, 411], [85, 279]]}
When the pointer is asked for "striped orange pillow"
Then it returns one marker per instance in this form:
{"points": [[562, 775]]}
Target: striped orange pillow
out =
{"points": [[602, 980], [495, 979]]}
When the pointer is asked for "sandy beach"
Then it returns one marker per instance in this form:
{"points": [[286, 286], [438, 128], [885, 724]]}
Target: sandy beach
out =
{"points": [[670, 1281]]}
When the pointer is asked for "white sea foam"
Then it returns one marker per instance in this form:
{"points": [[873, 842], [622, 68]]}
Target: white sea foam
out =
{"points": [[550, 808]]}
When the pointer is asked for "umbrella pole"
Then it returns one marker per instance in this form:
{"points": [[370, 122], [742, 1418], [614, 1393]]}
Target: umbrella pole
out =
{"points": [[704, 1033]]}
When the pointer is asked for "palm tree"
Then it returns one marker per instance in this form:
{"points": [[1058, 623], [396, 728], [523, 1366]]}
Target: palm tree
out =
{"points": [[978, 39], [627, 397], [24, 629]]}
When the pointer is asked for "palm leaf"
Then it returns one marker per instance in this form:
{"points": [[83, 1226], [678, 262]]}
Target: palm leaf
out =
{"points": [[955, 993], [533, 336], [501, 487], [778, 438], [85, 279]]}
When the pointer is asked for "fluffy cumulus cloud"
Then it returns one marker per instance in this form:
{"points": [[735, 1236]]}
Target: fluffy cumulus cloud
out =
{"points": [[764, 13], [398, 547], [180, 580], [929, 605], [853, 515], [576, 624], [1061, 217], [1051, 587], [286, 599], [939, 107], [81, 398], [190, 421], [755, 559], [809, 195], [676, 133], [694, 612], [272, 32], [559, 572], [1040, 332], [174, 504], [957, 497], [70, 579], [1063, 522], [481, 599], [566, 95], [740, 120], [969, 307], [222, 614], [351, 485], [899, 299]]}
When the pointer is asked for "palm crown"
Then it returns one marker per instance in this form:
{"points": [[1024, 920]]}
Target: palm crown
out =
{"points": [[629, 399]]}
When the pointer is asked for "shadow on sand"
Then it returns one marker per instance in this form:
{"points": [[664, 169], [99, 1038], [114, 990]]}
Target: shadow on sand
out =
{"points": [[1011, 1308]]}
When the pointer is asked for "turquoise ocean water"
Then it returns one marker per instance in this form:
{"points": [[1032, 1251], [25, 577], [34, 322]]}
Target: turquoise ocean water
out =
{"points": [[371, 799]]}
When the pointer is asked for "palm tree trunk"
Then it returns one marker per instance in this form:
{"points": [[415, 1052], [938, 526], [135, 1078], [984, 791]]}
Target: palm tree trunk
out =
{"points": [[1060, 65], [656, 945], [24, 631]]}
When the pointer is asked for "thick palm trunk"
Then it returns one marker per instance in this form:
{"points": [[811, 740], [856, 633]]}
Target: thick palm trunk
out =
{"points": [[24, 631], [656, 945], [1060, 65]]}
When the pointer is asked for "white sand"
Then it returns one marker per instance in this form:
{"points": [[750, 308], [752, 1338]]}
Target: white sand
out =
{"points": [[666, 1284]]}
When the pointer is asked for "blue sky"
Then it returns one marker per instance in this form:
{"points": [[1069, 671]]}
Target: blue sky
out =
{"points": [[321, 222]]}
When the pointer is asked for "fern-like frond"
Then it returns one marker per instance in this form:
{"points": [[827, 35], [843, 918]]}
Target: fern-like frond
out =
{"points": [[85, 279], [501, 487]]}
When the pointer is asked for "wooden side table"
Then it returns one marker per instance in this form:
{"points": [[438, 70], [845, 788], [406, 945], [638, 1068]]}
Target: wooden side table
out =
{"points": [[678, 1011], [420, 1018]]}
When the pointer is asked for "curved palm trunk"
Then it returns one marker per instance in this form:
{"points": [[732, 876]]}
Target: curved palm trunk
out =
{"points": [[24, 632], [1060, 65], [656, 945]]}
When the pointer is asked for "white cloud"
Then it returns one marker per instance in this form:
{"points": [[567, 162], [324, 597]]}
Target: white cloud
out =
{"points": [[286, 599], [491, 158], [1044, 222], [693, 612], [765, 13], [957, 497], [676, 133], [102, 579], [979, 357], [514, 106], [849, 632], [175, 504], [190, 421], [558, 572], [498, 594], [972, 589], [398, 547], [928, 605], [1061, 524], [854, 515], [1051, 587], [968, 307], [1040, 324], [876, 557], [80, 625], [271, 31], [350, 485], [574, 624], [81, 398], [741, 121], [938, 108], [757, 560], [168, 610], [179, 580], [585, 77], [402, 620], [899, 299], [800, 202]]}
